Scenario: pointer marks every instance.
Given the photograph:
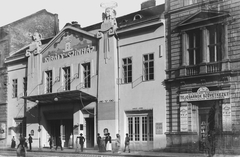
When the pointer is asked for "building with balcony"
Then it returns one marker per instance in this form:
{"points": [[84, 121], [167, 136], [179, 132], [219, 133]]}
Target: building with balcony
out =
{"points": [[202, 75], [15, 36], [104, 78]]}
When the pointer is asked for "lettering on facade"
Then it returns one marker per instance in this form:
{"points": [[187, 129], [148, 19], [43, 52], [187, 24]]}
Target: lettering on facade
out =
{"points": [[66, 54], [226, 117], [184, 118], [204, 94]]}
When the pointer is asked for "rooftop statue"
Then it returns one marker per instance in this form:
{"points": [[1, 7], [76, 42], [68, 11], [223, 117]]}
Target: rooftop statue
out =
{"points": [[109, 16], [34, 47]]}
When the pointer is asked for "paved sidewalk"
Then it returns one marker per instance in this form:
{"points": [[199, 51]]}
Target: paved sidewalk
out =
{"points": [[133, 153]]}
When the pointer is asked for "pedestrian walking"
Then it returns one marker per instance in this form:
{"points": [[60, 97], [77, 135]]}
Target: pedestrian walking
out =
{"points": [[127, 143], [118, 144], [98, 141], [50, 140], [70, 141], [81, 141], [59, 143], [21, 149], [30, 142], [13, 143]]}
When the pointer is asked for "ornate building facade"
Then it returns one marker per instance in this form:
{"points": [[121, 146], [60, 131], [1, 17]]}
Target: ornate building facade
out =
{"points": [[202, 82], [104, 78], [14, 36]]}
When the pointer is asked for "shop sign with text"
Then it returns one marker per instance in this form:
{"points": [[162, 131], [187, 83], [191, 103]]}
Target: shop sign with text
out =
{"points": [[204, 94]]}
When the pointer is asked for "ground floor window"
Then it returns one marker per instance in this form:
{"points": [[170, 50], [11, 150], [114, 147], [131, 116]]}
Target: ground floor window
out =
{"points": [[140, 128]]}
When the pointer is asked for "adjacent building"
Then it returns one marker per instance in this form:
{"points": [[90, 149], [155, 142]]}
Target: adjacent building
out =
{"points": [[104, 78], [13, 37], [202, 81]]}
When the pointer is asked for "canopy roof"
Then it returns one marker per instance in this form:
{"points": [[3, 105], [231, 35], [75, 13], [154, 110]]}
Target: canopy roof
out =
{"points": [[66, 96]]}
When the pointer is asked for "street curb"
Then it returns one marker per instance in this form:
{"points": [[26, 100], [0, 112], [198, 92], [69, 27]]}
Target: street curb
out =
{"points": [[102, 154]]}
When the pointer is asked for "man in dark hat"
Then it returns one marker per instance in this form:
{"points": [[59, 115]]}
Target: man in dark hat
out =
{"points": [[81, 141]]}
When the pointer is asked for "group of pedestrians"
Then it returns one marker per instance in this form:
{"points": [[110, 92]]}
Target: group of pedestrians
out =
{"points": [[108, 143], [23, 145], [22, 142], [81, 140]]}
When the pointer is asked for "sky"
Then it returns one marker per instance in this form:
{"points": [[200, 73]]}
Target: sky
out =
{"points": [[85, 12]]}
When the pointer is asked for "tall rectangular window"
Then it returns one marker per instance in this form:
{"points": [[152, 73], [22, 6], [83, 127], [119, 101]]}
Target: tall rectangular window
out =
{"points": [[214, 43], [137, 129], [87, 75], [144, 128], [194, 40], [25, 86], [148, 67], [49, 81], [67, 78], [127, 69], [150, 128], [130, 127], [14, 88]]}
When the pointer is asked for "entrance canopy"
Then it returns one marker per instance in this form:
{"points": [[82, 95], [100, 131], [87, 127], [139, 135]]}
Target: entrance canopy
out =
{"points": [[66, 96]]}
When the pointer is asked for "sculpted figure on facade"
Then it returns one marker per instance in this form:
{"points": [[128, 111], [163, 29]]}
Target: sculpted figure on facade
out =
{"points": [[34, 47], [108, 27], [110, 16]]}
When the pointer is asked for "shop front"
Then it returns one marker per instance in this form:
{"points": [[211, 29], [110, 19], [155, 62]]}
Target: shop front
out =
{"points": [[205, 117]]}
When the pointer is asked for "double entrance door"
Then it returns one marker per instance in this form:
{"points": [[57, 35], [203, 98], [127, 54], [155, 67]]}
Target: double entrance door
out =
{"points": [[209, 121], [63, 129]]}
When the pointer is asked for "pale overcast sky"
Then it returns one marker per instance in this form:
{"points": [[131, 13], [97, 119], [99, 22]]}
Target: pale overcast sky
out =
{"points": [[85, 12]]}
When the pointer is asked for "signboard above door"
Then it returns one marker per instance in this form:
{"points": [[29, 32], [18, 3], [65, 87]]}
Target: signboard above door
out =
{"points": [[203, 93]]}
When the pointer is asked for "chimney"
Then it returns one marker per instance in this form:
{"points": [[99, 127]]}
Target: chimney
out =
{"points": [[75, 24], [148, 4]]}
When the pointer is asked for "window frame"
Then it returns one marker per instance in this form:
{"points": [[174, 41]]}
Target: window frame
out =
{"points": [[49, 79], [14, 88], [140, 127], [204, 45], [126, 72], [194, 47], [148, 67], [87, 74], [25, 86], [214, 45], [67, 78]]}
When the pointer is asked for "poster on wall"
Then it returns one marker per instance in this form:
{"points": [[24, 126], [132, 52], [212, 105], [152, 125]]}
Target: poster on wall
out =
{"points": [[184, 118], [159, 128], [227, 117], [2, 130]]}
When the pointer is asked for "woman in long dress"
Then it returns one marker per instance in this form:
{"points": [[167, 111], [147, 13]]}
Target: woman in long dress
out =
{"points": [[109, 143], [13, 144]]}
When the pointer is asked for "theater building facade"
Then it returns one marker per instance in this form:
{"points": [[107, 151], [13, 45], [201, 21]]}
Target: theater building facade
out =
{"points": [[202, 76], [103, 78]]}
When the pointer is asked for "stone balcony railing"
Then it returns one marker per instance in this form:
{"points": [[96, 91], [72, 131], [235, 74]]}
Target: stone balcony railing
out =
{"points": [[204, 68]]}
